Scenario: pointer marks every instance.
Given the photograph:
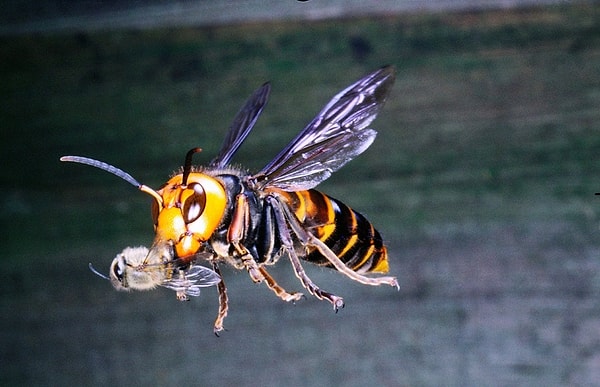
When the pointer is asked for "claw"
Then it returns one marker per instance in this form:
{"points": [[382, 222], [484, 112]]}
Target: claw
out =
{"points": [[293, 297], [216, 330], [338, 303], [255, 275], [181, 296]]}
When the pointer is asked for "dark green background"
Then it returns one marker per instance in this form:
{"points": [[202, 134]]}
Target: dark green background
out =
{"points": [[482, 181]]}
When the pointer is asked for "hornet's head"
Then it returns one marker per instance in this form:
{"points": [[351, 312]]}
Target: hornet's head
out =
{"points": [[186, 210]]}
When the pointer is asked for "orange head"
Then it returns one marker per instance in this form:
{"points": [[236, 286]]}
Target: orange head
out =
{"points": [[186, 212]]}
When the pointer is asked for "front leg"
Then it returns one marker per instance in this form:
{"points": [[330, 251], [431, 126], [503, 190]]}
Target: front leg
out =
{"points": [[240, 223], [180, 294], [223, 302]]}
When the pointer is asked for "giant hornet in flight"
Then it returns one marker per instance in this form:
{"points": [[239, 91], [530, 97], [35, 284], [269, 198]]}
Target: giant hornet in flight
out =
{"points": [[220, 213]]}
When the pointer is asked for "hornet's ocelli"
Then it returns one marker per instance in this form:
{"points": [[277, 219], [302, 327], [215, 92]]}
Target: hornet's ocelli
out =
{"points": [[220, 213]]}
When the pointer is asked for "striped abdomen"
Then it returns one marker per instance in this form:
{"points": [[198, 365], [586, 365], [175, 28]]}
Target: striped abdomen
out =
{"points": [[346, 232]]}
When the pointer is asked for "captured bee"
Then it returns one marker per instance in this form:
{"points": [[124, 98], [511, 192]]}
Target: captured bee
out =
{"points": [[131, 270], [224, 214]]}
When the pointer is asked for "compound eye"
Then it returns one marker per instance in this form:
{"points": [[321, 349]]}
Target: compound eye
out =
{"points": [[194, 204], [118, 268]]}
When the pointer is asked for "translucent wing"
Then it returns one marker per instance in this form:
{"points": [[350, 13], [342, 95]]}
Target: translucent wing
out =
{"points": [[242, 124], [335, 136], [194, 278]]}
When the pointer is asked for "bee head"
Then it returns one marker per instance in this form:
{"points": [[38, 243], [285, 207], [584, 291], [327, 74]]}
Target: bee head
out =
{"points": [[129, 270]]}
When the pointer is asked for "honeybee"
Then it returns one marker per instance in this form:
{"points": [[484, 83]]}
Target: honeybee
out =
{"points": [[221, 213], [131, 270]]}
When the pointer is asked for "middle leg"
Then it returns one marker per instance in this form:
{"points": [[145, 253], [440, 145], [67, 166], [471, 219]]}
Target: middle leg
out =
{"points": [[277, 289]]}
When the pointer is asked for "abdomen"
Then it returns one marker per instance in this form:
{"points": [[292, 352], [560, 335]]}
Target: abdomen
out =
{"points": [[346, 232]]}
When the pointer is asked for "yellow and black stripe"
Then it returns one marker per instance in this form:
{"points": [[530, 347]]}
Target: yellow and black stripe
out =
{"points": [[346, 232]]}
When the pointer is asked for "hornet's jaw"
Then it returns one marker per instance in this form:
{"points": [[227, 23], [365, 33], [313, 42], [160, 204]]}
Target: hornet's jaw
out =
{"points": [[161, 253]]}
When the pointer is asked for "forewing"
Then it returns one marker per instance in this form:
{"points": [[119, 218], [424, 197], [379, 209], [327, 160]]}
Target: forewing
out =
{"points": [[242, 125], [335, 136], [195, 277]]}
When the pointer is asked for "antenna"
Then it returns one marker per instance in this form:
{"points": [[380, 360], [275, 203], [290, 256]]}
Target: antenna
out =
{"points": [[187, 167], [117, 172], [104, 166], [97, 272]]}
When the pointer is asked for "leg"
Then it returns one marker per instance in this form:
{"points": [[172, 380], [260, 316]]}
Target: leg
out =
{"points": [[181, 296], [235, 234], [286, 238], [281, 292], [223, 302], [309, 239], [336, 301], [341, 267], [260, 274], [240, 221]]}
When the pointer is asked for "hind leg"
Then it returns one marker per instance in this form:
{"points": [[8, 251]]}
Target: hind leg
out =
{"points": [[310, 240], [288, 243]]}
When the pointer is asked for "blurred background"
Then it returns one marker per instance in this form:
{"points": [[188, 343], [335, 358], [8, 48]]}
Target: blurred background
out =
{"points": [[482, 181]]}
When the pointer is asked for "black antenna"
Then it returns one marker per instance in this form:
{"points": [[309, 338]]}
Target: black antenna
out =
{"points": [[104, 166], [117, 172], [187, 167]]}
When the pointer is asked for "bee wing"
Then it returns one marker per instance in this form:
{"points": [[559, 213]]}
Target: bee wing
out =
{"points": [[242, 124], [195, 277], [335, 136]]}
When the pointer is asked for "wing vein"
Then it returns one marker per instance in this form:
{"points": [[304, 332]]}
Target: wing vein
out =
{"points": [[335, 136]]}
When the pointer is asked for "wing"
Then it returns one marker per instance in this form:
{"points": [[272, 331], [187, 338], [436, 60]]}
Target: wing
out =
{"points": [[335, 136], [194, 278], [242, 124]]}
